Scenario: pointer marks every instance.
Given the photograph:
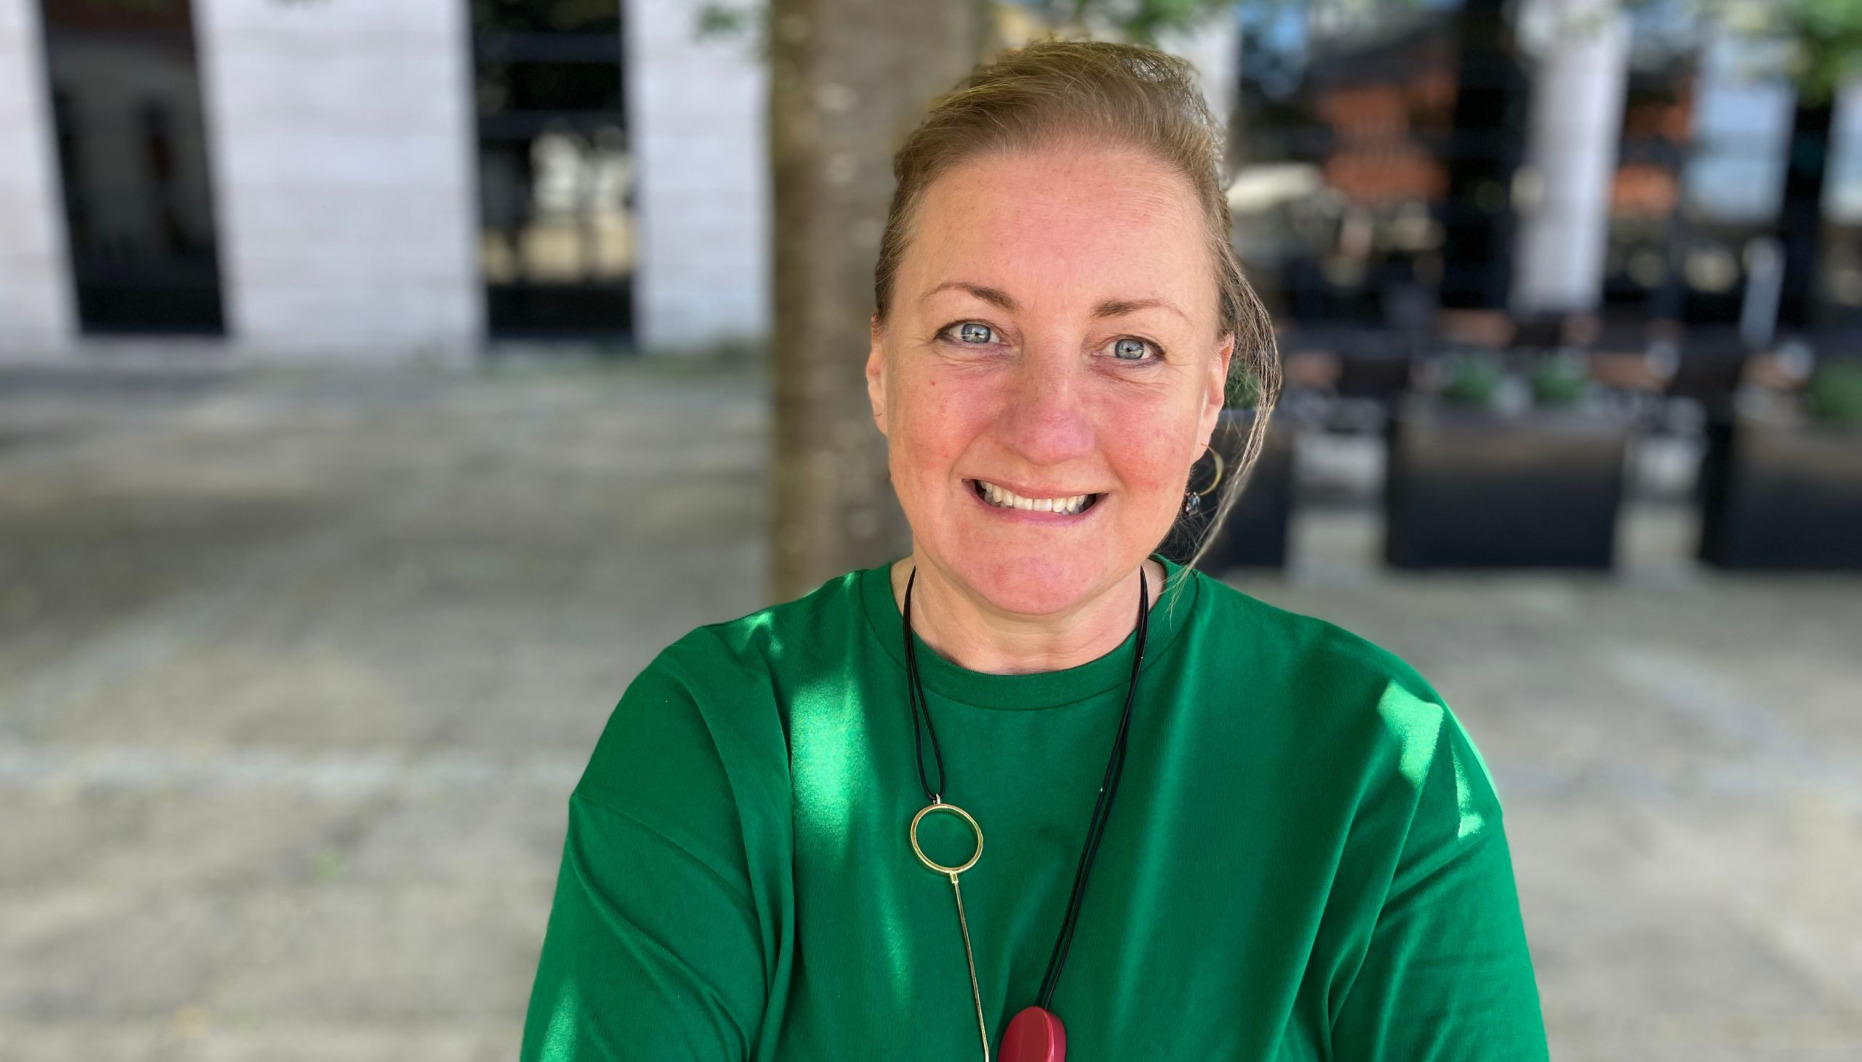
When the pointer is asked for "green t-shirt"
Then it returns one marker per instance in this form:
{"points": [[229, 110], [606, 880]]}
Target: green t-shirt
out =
{"points": [[1305, 859]]}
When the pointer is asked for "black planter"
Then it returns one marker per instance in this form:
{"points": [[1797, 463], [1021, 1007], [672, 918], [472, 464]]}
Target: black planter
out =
{"points": [[1472, 489], [1709, 370], [1254, 535], [1781, 495]]}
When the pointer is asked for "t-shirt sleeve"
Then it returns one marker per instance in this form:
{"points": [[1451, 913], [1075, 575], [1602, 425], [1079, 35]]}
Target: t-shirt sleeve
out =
{"points": [[1447, 976], [653, 949]]}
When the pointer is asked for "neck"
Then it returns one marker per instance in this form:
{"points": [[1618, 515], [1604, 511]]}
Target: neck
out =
{"points": [[971, 633]]}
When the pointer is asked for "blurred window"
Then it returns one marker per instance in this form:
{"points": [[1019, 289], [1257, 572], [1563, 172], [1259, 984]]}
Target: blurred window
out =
{"points": [[1643, 274], [1341, 161], [556, 238], [1733, 182], [1840, 285], [132, 157]]}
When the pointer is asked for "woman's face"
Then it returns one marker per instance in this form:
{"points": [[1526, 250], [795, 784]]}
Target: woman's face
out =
{"points": [[1053, 333]]}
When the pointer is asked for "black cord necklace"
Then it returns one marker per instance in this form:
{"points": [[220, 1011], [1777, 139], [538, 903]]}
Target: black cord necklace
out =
{"points": [[1035, 1034]]}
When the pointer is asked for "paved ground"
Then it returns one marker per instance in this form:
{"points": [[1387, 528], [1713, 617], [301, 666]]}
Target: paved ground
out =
{"points": [[297, 669]]}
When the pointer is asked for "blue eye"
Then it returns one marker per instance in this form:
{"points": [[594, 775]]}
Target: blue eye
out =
{"points": [[976, 333], [1129, 348]]}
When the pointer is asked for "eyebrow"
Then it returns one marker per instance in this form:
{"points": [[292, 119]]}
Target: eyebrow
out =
{"points": [[1120, 307], [1108, 308], [994, 296]]}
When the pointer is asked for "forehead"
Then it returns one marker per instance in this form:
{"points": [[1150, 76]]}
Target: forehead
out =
{"points": [[1071, 220]]}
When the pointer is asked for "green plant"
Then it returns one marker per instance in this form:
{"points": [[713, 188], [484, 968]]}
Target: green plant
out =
{"points": [[1823, 37], [1559, 380], [1472, 378], [1242, 390], [1833, 394]]}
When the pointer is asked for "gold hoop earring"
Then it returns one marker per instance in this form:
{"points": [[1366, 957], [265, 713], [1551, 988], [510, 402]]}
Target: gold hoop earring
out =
{"points": [[1218, 470], [1193, 499]]}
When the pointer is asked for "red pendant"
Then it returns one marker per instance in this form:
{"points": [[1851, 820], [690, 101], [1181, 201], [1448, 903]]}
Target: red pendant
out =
{"points": [[1034, 1035]]}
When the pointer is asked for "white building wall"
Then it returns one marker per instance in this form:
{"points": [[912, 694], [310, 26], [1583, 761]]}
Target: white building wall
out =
{"points": [[37, 311], [343, 146], [1214, 46], [698, 133]]}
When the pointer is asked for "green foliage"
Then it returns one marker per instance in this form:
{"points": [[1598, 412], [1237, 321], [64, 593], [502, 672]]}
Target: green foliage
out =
{"points": [[1242, 390], [1559, 380], [1829, 43], [1472, 378], [1833, 394], [720, 21], [1825, 35], [1149, 18], [1140, 21]]}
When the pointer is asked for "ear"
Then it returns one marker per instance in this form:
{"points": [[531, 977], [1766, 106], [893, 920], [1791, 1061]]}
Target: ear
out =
{"points": [[1217, 391], [876, 371]]}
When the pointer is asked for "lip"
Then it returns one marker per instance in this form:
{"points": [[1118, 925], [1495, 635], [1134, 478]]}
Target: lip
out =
{"points": [[1030, 515]]}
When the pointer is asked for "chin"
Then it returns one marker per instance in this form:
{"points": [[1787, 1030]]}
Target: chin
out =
{"points": [[1031, 582], [1030, 594]]}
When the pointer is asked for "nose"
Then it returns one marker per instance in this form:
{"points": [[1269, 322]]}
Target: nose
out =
{"points": [[1043, 417]]}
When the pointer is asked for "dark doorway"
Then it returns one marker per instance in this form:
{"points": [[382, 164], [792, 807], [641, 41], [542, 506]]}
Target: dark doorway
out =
{"points": [[132, 157], [556, 237]]}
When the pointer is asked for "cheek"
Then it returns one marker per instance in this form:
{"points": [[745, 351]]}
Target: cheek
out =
{"points": [[934, 425], [1150, 446]]}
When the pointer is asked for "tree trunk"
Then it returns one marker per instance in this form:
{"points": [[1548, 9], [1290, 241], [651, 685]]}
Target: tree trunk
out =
{"points": [[848, 78]]}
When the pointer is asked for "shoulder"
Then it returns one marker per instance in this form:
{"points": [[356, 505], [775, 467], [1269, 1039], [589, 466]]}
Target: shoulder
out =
{"points": [[1356, 701], [725, 657], [1315, 656], [776, 635], [706, 704]]}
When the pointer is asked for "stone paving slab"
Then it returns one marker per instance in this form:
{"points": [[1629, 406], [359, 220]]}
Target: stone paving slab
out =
{"points": [[297, 669]]}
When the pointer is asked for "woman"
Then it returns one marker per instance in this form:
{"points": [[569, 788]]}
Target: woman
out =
{"points": [[1204, 827]]}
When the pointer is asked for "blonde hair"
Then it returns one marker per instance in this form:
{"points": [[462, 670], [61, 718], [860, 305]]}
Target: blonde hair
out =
{"points": [[1054, 91]]}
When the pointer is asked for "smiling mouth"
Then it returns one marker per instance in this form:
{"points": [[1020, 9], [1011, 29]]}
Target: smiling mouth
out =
{"points": [[1005, 499]]}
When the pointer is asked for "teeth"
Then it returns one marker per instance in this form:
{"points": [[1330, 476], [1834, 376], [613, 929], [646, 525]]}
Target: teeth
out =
{"points": [[1008, 500]]}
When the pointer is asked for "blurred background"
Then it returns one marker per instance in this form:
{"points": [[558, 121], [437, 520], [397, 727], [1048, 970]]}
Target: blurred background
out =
{"points": [[384, 382]]}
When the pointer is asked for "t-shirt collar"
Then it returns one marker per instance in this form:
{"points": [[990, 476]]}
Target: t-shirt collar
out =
{"points": [[1043, 689]]}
